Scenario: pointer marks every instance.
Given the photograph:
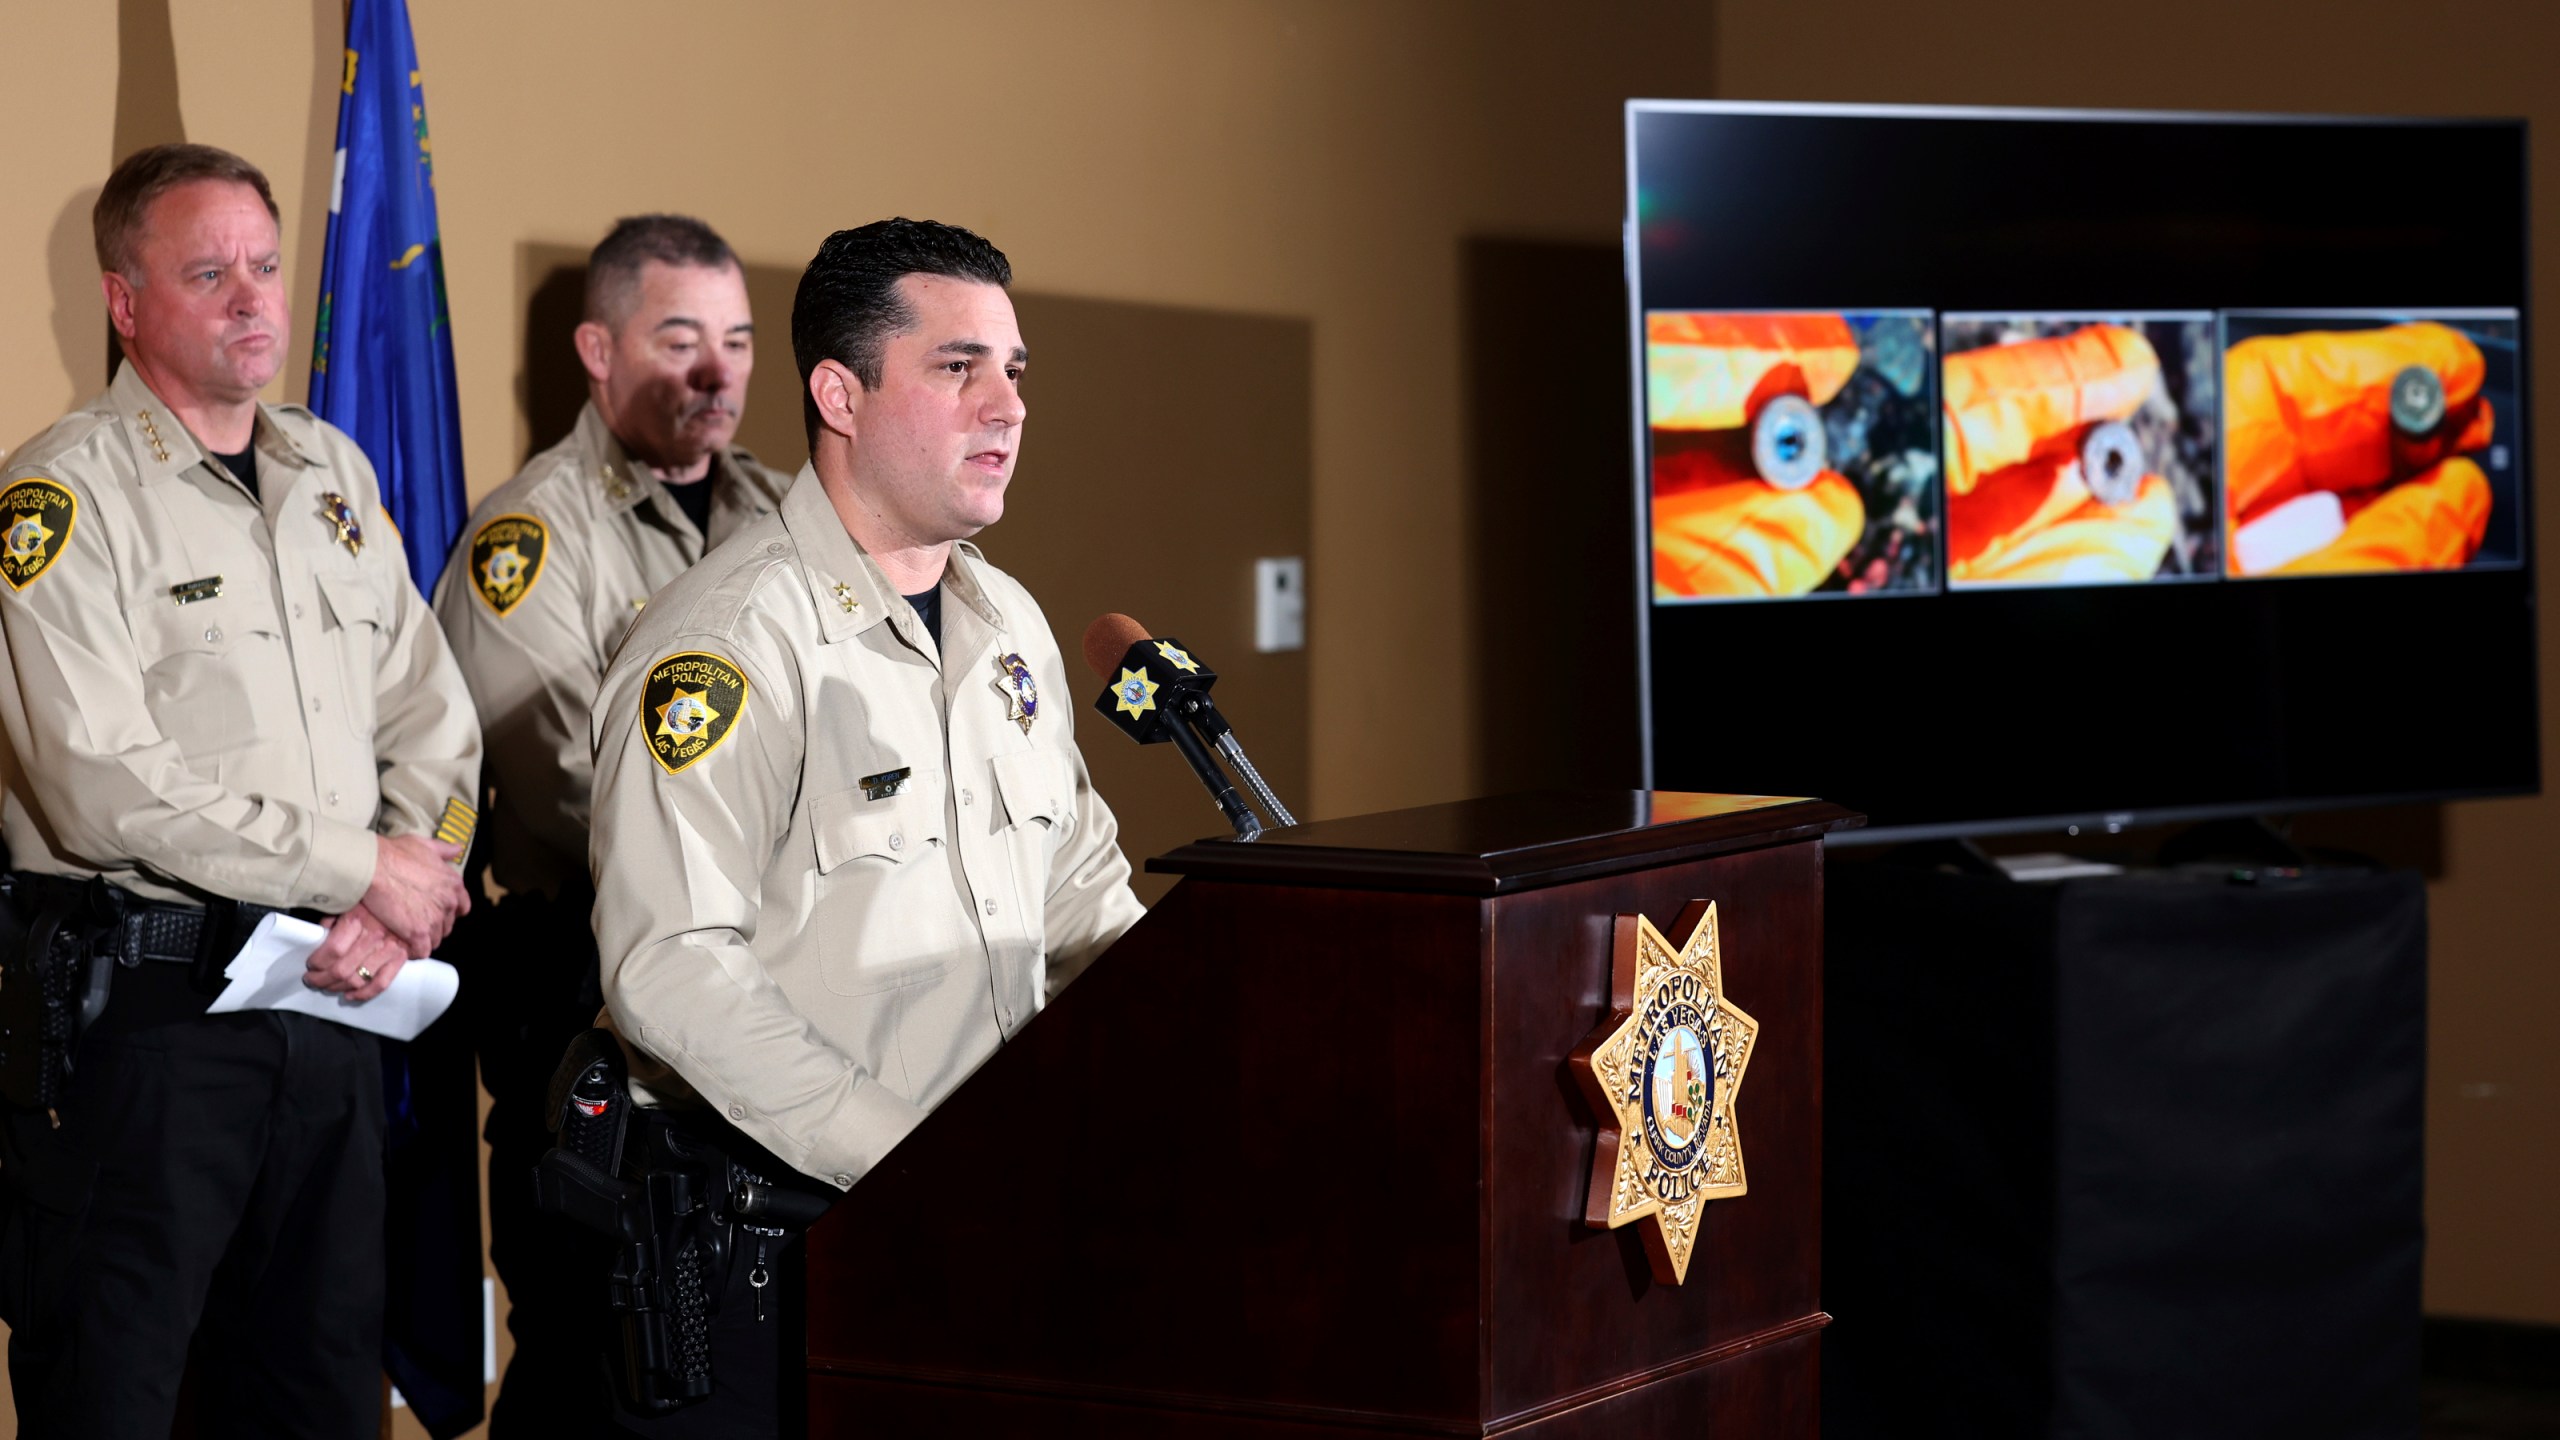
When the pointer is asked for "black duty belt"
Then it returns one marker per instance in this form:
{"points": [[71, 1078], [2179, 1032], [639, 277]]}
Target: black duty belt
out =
{"points": [[167, 933], [158, 931], [177, 934]]}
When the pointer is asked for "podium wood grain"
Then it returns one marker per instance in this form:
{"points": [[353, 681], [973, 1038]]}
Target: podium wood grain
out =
{"points": [[1300, 1156]]}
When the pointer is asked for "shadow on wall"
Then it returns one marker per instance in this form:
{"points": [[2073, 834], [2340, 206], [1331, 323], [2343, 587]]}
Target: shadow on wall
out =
{"points": [[147, 114], [1174, 447], [1553, 518], [80, 330]]}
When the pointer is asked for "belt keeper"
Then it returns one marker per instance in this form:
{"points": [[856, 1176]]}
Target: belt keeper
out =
{"points": [[219, 940]]}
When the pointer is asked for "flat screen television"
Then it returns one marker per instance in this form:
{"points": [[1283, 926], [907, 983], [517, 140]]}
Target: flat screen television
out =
{"points": [[2005, 470]]}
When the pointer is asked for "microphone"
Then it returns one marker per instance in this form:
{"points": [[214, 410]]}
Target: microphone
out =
{"points": [[1155, 690]]}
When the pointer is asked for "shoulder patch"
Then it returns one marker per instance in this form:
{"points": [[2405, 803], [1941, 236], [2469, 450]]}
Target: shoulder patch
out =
{"points": [[506, 561], [35, 523], [688, 705]]}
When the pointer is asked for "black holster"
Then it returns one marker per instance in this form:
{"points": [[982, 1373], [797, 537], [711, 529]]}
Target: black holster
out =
{"points": [[53, 980], [674, 1200]]}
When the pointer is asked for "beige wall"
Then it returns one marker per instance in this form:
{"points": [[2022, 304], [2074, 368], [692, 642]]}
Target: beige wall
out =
{"points": [[1319, 161]]}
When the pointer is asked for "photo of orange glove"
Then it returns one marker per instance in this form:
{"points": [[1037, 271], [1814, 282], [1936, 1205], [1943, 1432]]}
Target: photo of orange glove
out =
{"points": [[2359, 445], [2078, 451], [1789, 453]]}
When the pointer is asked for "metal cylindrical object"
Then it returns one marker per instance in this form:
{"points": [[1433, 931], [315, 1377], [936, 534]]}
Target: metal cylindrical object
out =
{"points": [[2111, 463], [1787, 444], [1234, 751], [2417, 401]]}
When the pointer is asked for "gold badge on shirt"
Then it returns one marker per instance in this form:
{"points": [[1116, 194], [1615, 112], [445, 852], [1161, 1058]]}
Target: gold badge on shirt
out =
{"points": [[1021, 691], [688, 706], [335, 509], [506, 561], [35, 523]]}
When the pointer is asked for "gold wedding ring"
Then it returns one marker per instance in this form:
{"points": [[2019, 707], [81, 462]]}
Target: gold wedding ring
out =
{"points": [[364, 975]]}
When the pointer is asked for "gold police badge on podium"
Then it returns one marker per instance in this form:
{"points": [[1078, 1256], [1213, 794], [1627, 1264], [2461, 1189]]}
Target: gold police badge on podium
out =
{"points": [[1662, 1073]]}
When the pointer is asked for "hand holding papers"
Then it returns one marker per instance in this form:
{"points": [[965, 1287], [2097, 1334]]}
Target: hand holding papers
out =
{"points": [[267, 975]]}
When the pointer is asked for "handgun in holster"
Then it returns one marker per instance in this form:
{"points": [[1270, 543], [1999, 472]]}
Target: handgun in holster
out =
{"points": [[673, 1203], [53, 981]]}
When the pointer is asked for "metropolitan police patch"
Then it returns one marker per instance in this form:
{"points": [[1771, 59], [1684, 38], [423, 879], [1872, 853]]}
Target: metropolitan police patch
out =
{"points": [[688, 705], [35, 523], [506, 560]]}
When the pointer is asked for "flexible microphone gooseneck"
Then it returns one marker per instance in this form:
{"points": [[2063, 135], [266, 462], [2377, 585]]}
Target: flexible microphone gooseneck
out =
{"points": [[1155, 690]]}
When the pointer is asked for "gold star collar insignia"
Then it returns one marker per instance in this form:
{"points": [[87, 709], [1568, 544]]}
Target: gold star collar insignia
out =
{"points": [[1662, 1073]]}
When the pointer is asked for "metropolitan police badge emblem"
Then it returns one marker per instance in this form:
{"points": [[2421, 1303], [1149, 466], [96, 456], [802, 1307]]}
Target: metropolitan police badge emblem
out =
{"points": [[688, 705], [35, 523], [1021, 692], [1662, 1074], [506, 560]]}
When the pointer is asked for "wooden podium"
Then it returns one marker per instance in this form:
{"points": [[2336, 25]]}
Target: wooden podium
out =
{"points": [[1303, 1156]]}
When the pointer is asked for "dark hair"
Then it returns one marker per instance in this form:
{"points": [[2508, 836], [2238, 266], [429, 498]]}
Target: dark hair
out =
{"points": [[613, 268], [848, 304], [148, 174]]}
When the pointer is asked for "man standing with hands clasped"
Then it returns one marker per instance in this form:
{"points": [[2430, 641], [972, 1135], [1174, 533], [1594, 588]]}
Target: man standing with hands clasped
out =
{"points": [[845, 845], [223, 697]]}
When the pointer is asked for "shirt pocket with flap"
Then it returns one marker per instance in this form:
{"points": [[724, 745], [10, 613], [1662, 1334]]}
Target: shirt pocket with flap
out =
{"points": [[1033, 786], [355, 625], [881, 917], [202, 664]]}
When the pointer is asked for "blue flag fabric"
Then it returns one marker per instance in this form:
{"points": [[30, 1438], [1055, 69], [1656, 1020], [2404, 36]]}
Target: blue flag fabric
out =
{"points": [[382, 370], [382, 362]]}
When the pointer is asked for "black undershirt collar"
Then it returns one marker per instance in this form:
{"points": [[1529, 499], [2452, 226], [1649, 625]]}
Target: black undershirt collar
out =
{"points": [[928, 607], [694, 499], [243, 466]]}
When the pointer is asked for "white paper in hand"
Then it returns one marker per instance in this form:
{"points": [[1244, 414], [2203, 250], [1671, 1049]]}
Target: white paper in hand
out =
{"points": [[267, 975]]}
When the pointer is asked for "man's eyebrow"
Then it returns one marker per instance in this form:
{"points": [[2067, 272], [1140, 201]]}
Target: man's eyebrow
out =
{"points": [[685, 320], [972, 349], [223, 262]]}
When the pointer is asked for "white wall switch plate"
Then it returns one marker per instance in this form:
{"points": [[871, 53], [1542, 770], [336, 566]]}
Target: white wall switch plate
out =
{"points": [[1280, 604]]}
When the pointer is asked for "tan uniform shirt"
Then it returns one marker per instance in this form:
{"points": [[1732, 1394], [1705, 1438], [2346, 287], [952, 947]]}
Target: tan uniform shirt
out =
{"points": [[551, 571], [211, 693], [791, 929]]}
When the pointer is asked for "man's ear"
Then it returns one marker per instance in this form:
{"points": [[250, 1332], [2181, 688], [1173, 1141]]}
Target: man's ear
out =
{"points": [[119, 292], [595, 349], [838, 396]]}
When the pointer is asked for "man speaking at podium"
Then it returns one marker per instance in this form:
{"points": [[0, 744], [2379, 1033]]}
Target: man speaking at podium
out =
{"points": [[844, 843]]}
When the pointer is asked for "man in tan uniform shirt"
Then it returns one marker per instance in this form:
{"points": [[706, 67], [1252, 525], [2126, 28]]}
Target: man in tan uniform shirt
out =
{"points": [[552, 569], [845, 847], [223, 693]]}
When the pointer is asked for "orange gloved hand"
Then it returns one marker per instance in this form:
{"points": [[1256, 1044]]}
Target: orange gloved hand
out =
{"points": [[2025, 422], [2321, 478], [1719, 527]]}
